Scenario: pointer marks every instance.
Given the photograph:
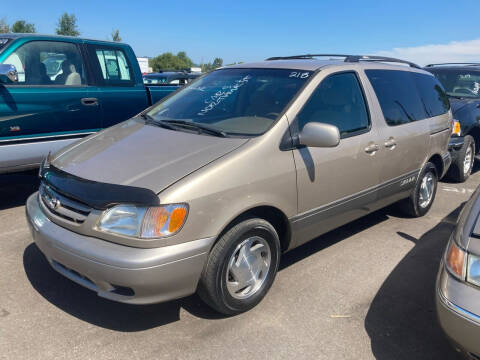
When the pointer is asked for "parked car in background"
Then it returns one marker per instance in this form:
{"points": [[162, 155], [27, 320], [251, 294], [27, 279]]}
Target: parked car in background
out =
{"points": [[458, 282], [169, 78], [55, 90], [462, 85], [205, 190]]}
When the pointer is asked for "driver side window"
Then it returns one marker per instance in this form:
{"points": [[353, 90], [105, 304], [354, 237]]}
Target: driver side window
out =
{"points": [[47, 63], [338, 100]]}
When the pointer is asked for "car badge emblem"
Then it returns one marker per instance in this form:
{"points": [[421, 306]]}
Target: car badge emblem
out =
{"points": [[52, 202]]}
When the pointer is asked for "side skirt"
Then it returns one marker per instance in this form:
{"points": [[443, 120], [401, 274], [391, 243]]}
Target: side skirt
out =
{"points": [[311, 224]]}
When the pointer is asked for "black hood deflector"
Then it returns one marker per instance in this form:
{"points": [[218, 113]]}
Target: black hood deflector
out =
{"points": [[97, 195]]}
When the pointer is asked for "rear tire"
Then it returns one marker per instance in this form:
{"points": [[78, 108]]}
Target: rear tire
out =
{"points": [[241, 267], [461, 168], [423, 195]]}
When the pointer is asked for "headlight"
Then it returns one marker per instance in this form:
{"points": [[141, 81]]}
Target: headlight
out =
{"points": [[456, 129], [455, 260], [473, 270], [143, 222]]}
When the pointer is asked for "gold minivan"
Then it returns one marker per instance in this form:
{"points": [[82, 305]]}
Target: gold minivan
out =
{"points": [[206, 189]]}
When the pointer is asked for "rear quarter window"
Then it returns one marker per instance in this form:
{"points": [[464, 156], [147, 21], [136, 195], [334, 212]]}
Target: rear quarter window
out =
{"points": [[398, 95], [111, 66], [432, 93]]}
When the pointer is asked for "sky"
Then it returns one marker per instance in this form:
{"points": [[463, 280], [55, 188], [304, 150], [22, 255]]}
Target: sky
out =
{"points": [[420, 31]]}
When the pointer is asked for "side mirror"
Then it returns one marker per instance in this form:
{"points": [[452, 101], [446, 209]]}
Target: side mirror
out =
{"points": [[319, 135], [8, 73]]}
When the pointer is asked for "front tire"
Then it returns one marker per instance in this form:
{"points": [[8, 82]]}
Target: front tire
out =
{"points": [[461, 168], [421, 199], [241, 267]]}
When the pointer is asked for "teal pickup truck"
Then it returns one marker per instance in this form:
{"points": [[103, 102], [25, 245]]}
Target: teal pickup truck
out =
{"points": [[55, 90]]}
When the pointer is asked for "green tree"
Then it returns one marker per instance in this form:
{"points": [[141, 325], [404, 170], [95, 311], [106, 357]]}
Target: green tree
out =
{"points": [[4, 28], [116, 35], [217, 62], [169, 61], [21, 26], [67, 25], [184, 61]]}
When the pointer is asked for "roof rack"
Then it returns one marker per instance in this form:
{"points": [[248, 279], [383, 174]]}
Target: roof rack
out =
{"points": [[348, 58], [453, 63]]}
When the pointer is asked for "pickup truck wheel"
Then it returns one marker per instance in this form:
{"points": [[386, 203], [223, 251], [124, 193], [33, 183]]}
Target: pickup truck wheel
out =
{"points": [[461, 168], [422, 196], [241, 267]]}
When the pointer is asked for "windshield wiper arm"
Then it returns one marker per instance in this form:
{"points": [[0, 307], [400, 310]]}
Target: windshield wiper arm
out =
{"points": [[194, 125], [152, 121]]}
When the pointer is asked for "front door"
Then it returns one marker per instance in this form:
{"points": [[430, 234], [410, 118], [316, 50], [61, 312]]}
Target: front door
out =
{"points": [[336, 185], [50, 98]]}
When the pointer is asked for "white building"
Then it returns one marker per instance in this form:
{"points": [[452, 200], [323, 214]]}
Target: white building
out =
{"points": [[143, 62]]}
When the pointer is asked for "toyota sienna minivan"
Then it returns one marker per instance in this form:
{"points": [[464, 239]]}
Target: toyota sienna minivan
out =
{"points": [[206, 189]]}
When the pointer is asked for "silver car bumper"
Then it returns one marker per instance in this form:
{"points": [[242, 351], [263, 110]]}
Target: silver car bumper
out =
{"points": [[117, 272], [458, 321]]}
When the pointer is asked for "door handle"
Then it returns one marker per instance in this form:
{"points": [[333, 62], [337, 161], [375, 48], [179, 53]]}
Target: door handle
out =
{"points": [[89, 101], [390, 143], [372, 149]]}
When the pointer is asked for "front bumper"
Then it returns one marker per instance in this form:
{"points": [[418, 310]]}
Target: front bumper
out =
{"points": [[118, 272], [454, 145], [456, 317]]}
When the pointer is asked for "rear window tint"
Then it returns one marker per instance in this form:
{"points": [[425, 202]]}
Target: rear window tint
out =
{"points": [[398, 95], [432, 93]]}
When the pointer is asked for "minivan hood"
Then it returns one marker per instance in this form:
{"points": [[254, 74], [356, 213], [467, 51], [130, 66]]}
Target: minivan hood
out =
{"points": [[136, 154]]}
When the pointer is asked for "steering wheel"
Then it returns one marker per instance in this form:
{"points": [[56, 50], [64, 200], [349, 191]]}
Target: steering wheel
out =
{"points": [[275, 114]]}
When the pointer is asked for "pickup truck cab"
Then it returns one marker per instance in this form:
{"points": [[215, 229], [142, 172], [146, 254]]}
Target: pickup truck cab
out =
{"points": [[55, 90], [204, 190]]}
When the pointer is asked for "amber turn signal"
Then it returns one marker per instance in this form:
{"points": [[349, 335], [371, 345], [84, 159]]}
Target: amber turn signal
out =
{"points": [[456, 130], [165, 220], [455, 260]]}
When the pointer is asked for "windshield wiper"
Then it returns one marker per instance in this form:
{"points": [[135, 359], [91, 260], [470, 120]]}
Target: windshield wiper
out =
{"points": [[152, 121], [197, 126]]}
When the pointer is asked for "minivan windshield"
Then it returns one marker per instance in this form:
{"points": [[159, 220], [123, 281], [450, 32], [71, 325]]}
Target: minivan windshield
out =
{"points": [[234, 101], [464, 83]]}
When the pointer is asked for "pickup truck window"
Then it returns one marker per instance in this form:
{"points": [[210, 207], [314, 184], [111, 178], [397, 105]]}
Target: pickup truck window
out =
{"points": [[3, 42], [339, 101], [114, 66], [234, 101], [48, 63]]}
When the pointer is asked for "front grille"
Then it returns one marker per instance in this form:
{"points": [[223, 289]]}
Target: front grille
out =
{"points": [[63, 206]]}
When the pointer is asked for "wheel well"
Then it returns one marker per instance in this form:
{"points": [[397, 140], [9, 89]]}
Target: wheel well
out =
{"points": [[475, 133], [438, 162], [271, 214]]}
